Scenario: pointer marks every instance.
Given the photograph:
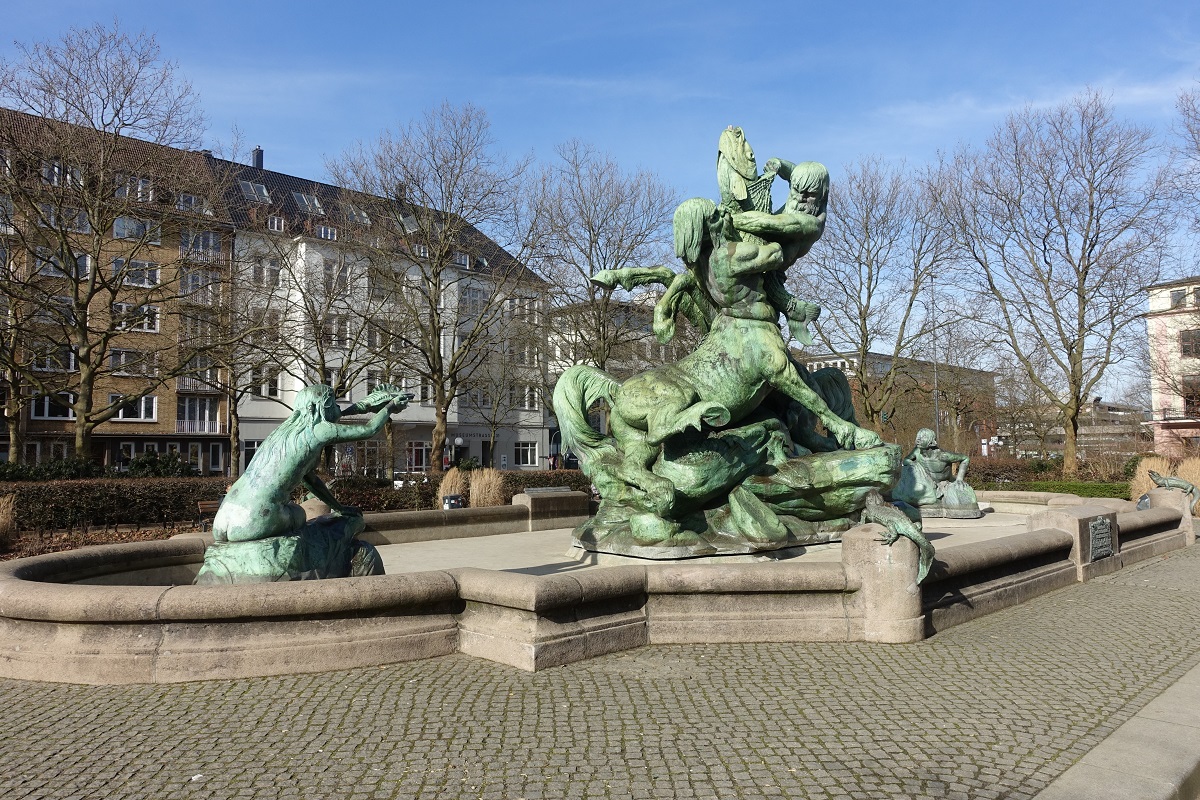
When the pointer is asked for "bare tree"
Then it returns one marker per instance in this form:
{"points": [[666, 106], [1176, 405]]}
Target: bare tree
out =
{"points": [[1061, 221], [882, 248], [108, 208], [455, 220], [601, 217]]}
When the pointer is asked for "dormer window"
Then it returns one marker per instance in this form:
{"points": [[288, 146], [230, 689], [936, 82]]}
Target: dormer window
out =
{"points": [[56, 173], [193, 203], [131, 187], [461, 260], [254, 192], [356, 214], [308, 203], [276, 224]]}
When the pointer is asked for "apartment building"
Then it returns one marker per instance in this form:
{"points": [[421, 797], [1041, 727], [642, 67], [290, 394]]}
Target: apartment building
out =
{"points": [[1173, 327], [325, 297], [199, 295], [102, 241]]}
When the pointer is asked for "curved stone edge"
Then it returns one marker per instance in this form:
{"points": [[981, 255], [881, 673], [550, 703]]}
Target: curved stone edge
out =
{"points": [[145, 634]]}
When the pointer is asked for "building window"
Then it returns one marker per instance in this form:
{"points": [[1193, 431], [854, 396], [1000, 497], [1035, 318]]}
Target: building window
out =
{"points": [[1177, 297], [56, 359], [249, 448], [265, 273], [6, 214], [56, 173], [74, 220], [525, 454], [136, 273], [254, 192], [335, 332], [1190, 389], [420, 250], [337, 275], [192, 203], [329, 378], [57, 311], [197, 415], [200, 245], [308, 203], [200, 285], [326, 232], [134, 188], [356, 214], [216, 457], [130, 317], [264, 382], [460, 259], [374, 378], [144, 409], [50, 265], [137, 229], [473, 301], [417, 455], [276, 223], [133, 362], [54, 406], [1189, 344]]}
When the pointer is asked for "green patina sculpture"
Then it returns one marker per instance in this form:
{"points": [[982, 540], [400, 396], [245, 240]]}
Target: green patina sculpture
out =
{"points": [[720, 451], [930, 484], [1174, 482], [260, 535]]}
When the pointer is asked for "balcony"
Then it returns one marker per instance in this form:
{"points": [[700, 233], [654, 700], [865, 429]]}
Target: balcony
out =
{"points": [[207, 426], [196, 384]]}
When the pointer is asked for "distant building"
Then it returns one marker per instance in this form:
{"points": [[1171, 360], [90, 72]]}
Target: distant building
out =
{"points": [[1173, 327], [966, 397]]}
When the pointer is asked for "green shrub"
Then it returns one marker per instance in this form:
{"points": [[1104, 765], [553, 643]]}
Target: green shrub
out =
{"points": [[60, 469], [53, 505], [516, 481], [159, 465], [1117, 490]]}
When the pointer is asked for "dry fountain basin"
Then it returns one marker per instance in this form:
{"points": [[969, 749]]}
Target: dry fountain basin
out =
{"points": [[127, 613]]}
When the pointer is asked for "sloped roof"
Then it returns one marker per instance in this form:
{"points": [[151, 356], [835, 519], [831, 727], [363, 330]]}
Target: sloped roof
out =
{"points": [[283, 188]]}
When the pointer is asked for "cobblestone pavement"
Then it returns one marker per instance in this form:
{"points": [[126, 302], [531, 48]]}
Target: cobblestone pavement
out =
{"points": [[995, 708]]}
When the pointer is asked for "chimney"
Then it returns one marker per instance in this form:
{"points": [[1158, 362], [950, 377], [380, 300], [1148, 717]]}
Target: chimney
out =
{"points": [[257, 155]]}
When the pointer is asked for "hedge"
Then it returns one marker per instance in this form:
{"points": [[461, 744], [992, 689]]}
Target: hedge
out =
{"points": [[55, 505], [1117, 490], [370, 494]]}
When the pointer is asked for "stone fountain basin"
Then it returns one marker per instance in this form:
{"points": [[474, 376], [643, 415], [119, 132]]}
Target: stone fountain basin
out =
{"points": [[126, 613]]}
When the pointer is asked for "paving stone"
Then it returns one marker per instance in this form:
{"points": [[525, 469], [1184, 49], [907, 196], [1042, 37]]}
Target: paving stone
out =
{"points": [[997, 708]]}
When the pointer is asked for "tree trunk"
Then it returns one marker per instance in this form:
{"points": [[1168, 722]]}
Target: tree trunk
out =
{"points": [[389, 438], [235, 437], [1070, 460], [438, 445]]}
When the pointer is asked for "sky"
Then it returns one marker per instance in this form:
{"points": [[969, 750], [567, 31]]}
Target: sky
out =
{"points": [[651, 83]]}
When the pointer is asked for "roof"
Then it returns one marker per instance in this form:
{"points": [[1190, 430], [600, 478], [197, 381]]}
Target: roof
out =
{"points": [[338, 207]]}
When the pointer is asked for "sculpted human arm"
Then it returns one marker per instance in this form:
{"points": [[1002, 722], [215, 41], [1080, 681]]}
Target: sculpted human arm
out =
{"points": [[319, 490], [384, 394], [960, 474], [337, 434]]}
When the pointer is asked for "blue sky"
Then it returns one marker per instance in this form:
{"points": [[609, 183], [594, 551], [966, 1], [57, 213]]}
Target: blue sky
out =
{"points": [[653, 83]]}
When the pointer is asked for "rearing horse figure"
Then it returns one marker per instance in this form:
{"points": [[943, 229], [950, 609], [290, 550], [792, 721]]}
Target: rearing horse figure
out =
{"points": [[741, 360]]}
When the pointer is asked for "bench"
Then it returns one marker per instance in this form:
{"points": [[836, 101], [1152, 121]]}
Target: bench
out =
{"points": [[208, 510]]}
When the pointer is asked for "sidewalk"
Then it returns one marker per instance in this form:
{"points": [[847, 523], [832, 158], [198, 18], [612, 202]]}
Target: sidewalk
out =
{"points": [[995, 708]]}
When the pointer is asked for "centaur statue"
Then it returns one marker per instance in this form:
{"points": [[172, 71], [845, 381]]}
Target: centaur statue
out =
{"points": [[720, 451]]}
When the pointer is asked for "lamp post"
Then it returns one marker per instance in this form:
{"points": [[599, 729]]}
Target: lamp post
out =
{"points": [[937, 417]]}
